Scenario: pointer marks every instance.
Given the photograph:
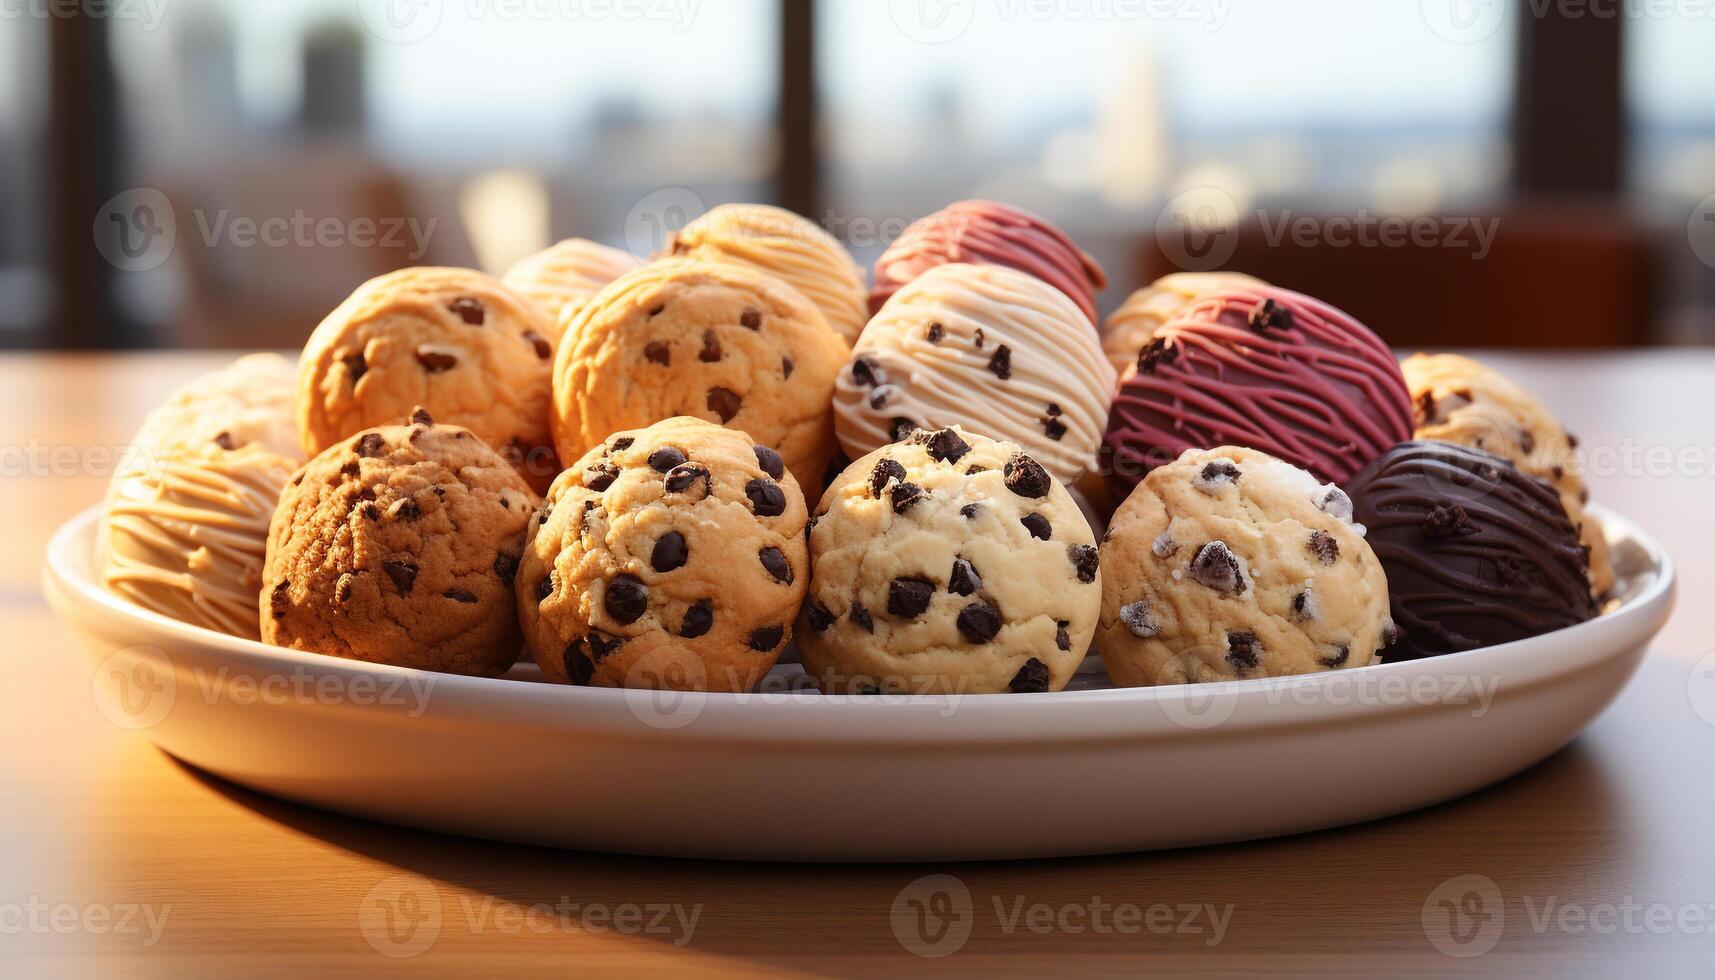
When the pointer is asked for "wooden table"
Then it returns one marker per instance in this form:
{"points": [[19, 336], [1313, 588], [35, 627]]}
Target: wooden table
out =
{"points": [[1602, 856]]}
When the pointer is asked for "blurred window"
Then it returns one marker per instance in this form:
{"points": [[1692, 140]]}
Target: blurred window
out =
{"points": [[1670, 81], [307, 146], [1096, 122], [26, 294]]}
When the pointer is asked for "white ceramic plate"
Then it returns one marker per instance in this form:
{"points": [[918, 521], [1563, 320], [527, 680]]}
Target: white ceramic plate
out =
{"points": [[786, 774]]}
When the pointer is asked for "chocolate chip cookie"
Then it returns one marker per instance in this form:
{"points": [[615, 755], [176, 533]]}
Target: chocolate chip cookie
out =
{"points": [[948, 562], [1229, 563], [704, 339], [400, 546], [454, 341], [668, 557]]}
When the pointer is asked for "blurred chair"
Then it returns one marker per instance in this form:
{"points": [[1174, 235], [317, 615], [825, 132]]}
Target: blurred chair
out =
{"points": [[1558, 276]]}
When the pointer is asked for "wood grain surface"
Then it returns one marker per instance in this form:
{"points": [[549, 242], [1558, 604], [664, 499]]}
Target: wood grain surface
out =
{"points": [[116, 860]]}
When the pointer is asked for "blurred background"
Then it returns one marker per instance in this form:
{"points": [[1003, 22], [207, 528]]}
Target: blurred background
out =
{"points": [[1519, 173]]}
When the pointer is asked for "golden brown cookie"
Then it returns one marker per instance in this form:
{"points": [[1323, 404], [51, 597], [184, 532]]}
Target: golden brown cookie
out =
{"points": [[1229, 563], [948, 562], [400, 546], [455, 341], [667, 557], [704, 339], [561, 278]]}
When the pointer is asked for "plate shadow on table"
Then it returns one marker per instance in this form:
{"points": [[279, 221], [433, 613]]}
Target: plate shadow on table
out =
{"points": [[1346, 889]]}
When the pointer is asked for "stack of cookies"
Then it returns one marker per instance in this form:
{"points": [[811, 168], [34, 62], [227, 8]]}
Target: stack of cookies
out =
{"points": [[664, 474]]}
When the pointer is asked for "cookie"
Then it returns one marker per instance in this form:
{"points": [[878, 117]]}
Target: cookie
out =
{"points": [[1229, 563], [790, 248], [560, 279], [704, 339], [455, 341], [985, 347], [1131, 327], [668, 557], [400, 546], [186, 523], [949, 562], [1462, 401]]}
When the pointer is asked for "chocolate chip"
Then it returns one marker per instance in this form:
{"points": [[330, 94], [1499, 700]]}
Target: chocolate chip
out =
{"points": [[867, 373], [770, 462], [1038, 526], [1026, 477], [879, 397], [886, 470], [901, 429], [1270, 316], [946, 446], [600, 476], [1215, 475], [774, 561], [1217, 568], [1155, 355], [1086, 561], [964, 580], [1244, 652], [225, 441], [435, 361], [579, 668], [681, 478], [657, 310], [670, 552], [1001, 363], [459, 595], [621, 444], [602, 644], [750, 319], [469, 309], [405, 509], [665, 458], [545, 588], [1062, 639], [979, 622], [767, 638], [1526, 441], [819, 616], [626, 598], [1053, 428], [698, 619], [1303, 606], [935, 333], [909, 598], [1032, 678], [711, 351], [402, 572], [970, 511], [861, 617], [1449, 520], [766, 497], [1338, 654], [421, 416], [544, 350], [1137, 618], [356, 366], [905, 496], [370, 512], [370, 444], [342, 588], [724, 402], [1324, 547], [506, 568], [978, 338], [658, 352], [787, 367], [278, 600], [1424, 410]]}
